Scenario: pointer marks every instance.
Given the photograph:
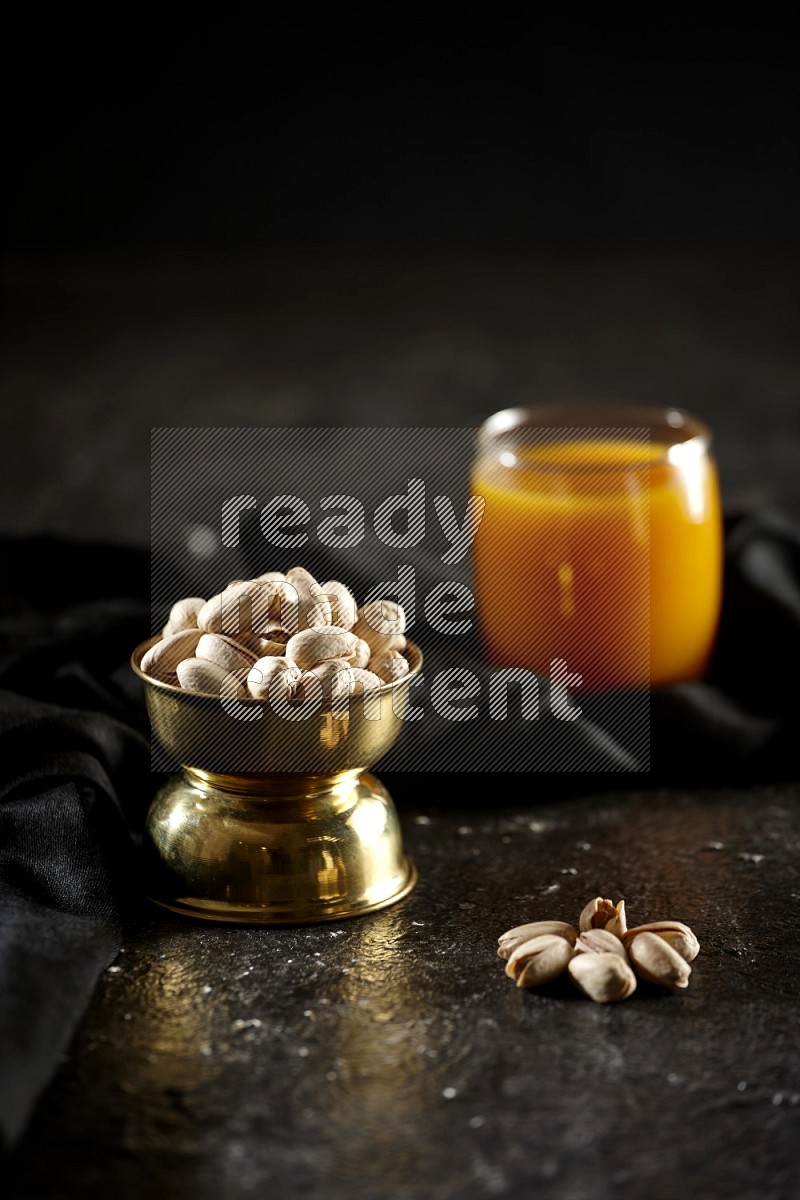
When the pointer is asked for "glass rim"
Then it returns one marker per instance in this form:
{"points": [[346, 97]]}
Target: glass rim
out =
{"points": [[688, 431]]}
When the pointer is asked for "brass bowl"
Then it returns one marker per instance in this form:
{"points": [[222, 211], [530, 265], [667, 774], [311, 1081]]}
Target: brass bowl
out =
{"points": [[274, 820]]}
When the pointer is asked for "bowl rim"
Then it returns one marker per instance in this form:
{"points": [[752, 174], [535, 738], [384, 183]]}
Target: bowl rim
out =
{"points": [[254, 701]]}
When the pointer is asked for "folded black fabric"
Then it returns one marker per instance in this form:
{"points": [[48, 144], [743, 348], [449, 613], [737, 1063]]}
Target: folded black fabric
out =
{"points": [[73, 759], [75, 771], [742, 722]]}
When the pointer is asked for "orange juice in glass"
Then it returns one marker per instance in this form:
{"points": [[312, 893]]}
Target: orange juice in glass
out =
{"points": [[600, 543]]}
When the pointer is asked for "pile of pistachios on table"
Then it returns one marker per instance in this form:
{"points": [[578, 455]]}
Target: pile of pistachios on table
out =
{"points": [[602, 956]]}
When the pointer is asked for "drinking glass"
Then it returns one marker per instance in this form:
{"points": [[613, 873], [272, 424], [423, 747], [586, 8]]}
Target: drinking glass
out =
{"points": [[600, 544]]}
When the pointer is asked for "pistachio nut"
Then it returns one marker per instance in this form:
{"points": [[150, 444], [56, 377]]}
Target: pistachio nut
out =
{"points": [[272, 670], [162, 659], [336, 678], [508, 941], [600, 941], [539, 960], [603, 914], [674, 933], [271, 640], [656, 961], [209, 678], [364, 680], [225, 652], [389, 665], [605, 978], [313, 606], [183, 615], [344, 609], [362, 654], [381, 624], [243, 608], [313, 646]]}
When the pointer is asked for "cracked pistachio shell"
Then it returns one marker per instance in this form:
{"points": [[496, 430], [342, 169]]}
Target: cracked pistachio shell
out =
{"points": [[508, 941], [655, 961], [674, 933], [225, 652], [162, 659], [201, 675], [600, 941], [268, 646], [539, 960], [604, 978], [272, 640], [603, 914]]}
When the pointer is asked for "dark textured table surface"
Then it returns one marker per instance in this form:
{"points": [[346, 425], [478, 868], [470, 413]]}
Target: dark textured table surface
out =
{"points": [[389, 1056]]}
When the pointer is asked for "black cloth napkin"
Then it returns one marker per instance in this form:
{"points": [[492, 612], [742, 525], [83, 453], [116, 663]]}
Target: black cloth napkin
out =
{"points": [[74, 763], [75, 772]]}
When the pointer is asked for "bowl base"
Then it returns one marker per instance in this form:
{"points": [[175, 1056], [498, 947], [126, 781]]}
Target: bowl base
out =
{"points": [[274, 850], [258, 915]]}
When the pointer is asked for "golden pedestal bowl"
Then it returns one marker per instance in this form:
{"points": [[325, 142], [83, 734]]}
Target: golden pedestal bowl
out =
{"points": [[274, 820]]}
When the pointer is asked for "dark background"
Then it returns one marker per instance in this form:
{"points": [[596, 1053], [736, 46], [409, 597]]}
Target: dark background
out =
{"points": [[342, 129], [417, 221]]}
